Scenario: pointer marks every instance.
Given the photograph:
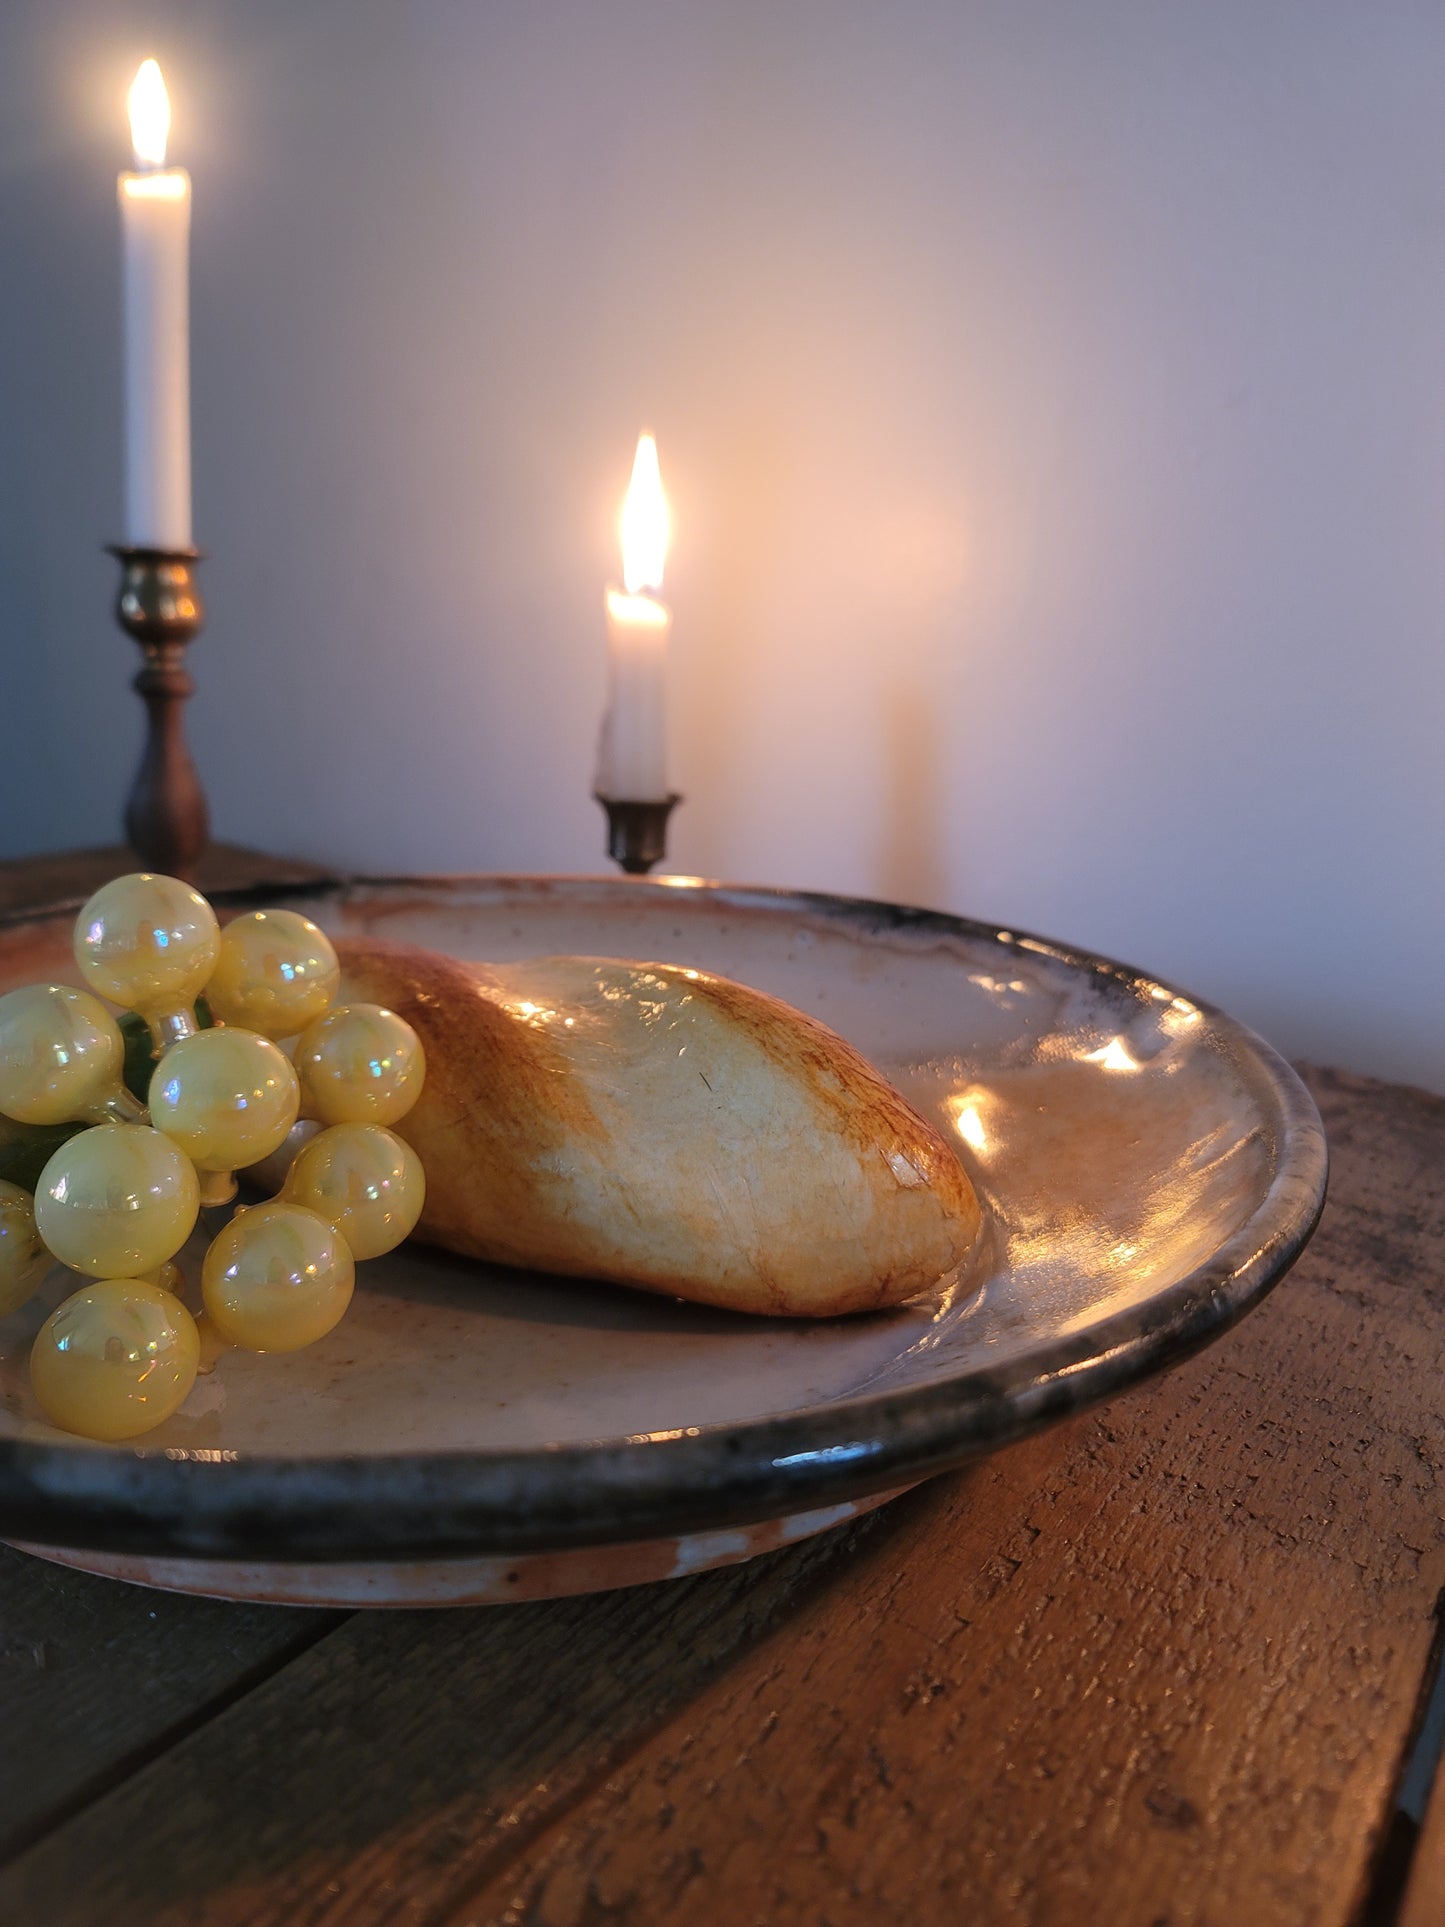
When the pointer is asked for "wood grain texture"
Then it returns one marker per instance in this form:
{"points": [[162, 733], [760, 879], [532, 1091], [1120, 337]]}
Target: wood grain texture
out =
{"points": [[95, 1677], [404, 1754], [72, 875], [1158, 1666]]}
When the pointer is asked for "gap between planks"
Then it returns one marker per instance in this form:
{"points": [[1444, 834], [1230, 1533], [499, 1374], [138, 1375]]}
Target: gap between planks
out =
{"points": [[522, 1707], [94, 1674]]}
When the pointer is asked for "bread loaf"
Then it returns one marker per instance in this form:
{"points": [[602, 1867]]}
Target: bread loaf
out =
{"points": [[666, 1129]]}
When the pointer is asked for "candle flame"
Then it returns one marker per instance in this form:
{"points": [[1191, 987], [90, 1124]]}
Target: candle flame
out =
{"points": [[644, 522], [150, 115]]}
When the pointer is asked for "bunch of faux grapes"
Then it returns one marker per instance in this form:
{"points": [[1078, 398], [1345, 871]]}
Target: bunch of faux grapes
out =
{"points": [[121, 1192]]}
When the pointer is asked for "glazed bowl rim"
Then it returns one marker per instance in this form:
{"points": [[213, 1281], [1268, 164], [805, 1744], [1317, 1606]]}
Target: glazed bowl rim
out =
{"points": [[463, 1502]]}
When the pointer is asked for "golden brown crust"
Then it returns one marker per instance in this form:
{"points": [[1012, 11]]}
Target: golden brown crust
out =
{"points": [[565, 1127], [861, 1104]]}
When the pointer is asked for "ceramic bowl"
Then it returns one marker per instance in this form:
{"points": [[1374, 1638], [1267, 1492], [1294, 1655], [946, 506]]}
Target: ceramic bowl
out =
{"points": [[1147, 1167]]}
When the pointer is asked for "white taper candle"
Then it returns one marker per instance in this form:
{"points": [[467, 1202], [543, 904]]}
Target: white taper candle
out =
{"points": [[155, 212]]}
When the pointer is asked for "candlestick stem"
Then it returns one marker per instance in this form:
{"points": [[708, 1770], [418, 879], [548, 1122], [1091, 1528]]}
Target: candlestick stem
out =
{"points": [[637, 832], [160, 607]]}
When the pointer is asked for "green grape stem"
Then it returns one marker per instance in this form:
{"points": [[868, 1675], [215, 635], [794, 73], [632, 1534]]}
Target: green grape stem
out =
{"points": [[26, 1149], [141, 1056]]}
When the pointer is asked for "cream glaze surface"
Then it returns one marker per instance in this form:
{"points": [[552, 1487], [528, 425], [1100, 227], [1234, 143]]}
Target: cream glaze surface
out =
{"points": [[661, 1127], [1136, 1155]]}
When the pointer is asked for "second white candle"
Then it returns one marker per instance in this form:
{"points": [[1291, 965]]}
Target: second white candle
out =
{"points": [[632, 761]]}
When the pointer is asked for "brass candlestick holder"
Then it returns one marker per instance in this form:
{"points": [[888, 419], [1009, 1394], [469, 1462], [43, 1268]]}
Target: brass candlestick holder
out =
{"points": [[637, 832], [159, 606]]}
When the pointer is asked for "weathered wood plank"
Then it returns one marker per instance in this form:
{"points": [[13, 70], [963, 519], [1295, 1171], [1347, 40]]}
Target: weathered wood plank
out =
{"points": [[1159, 1665], [94, 1677], [72, 875], [403, 1745]]}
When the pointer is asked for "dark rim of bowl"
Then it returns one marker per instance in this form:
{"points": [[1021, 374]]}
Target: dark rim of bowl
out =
{"points": [[459, 1504]]}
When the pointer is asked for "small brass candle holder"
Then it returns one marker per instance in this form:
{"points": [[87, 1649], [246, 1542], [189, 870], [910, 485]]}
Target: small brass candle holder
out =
{"points": [[637, 832], [159, 605]]}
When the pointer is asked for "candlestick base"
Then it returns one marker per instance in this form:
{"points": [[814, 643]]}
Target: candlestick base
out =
{"points": [[159, 606], [637, 832]]}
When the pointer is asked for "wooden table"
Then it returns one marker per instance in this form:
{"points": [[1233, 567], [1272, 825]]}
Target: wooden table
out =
{"points": [[1162, 1665]]}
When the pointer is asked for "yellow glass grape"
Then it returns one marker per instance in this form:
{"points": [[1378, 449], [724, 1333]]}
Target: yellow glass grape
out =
{"points": [[276, 973], [24, 1260], [277, 1278], [61, 1058], [115, 1359], [359, 1064], [117, 1200], [364, 1181], [149, 943], [227, 1097]]}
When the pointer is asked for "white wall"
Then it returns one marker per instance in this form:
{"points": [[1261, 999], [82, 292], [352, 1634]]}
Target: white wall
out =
{"points": [[1051, 400]]}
